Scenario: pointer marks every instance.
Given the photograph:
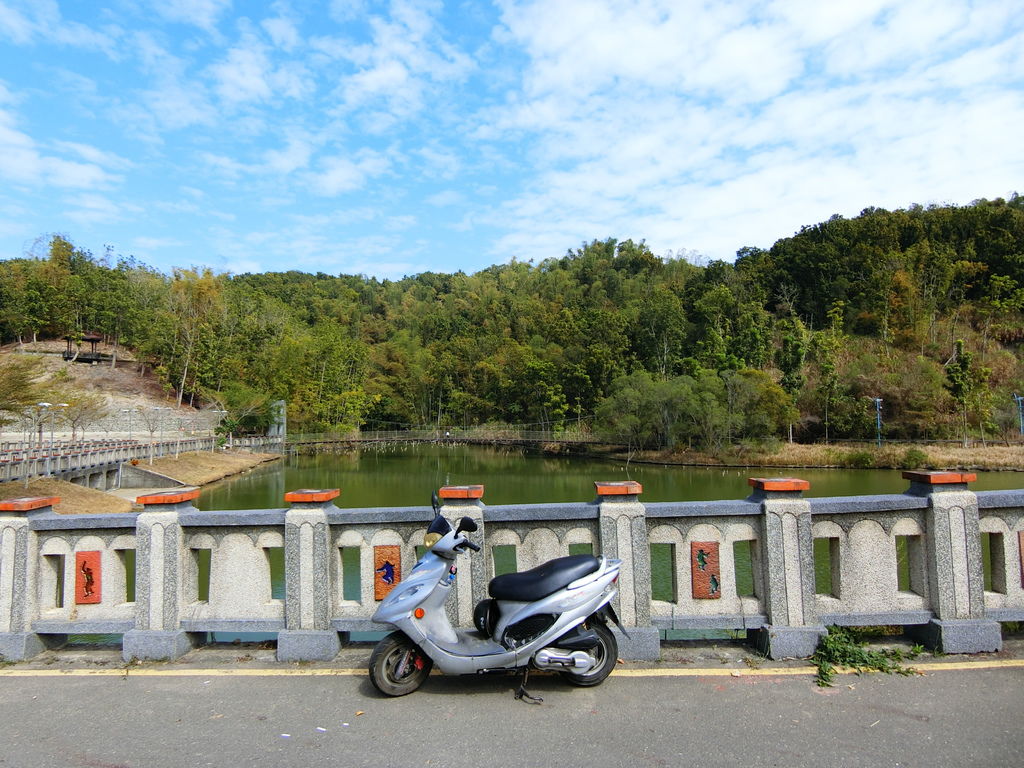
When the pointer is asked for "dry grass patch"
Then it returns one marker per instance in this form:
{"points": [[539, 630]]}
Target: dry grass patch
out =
{"points": [[202, 467], [74, 499], [863, 455]]}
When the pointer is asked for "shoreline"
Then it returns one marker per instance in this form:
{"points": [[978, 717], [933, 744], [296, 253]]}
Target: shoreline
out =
{"points": [[909, 456], [191, 469]]}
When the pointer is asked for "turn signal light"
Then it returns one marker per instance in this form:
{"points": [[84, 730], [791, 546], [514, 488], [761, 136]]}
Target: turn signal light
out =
{"points": [[419, 613]]}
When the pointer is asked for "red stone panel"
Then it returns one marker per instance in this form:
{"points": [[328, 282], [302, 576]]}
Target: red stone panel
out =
{"points": [[387, 569], [87, 577], [705, 571]]}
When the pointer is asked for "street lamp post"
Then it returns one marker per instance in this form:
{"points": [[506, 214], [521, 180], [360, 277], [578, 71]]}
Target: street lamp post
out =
{"points": [[129, 412], [878, 420], [44, 408], [41, 408], [57, 405], [160, 421], [213, 438]]}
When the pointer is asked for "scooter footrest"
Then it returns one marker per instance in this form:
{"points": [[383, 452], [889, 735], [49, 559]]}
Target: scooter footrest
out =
{"points": [[577, 640]]}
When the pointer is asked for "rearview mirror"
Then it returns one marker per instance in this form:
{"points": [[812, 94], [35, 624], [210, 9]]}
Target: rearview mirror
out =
{"points": [[435, 503], [466, 524]]}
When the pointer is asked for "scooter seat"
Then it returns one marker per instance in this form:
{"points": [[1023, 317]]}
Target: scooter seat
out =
{"points": [[543, 580]]}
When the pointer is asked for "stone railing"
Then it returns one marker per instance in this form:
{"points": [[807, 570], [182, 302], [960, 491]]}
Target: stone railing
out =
{"points": [[22, 461], [938, 559]]}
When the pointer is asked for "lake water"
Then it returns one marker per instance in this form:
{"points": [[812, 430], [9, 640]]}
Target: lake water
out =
{"points": [[405, 475]]}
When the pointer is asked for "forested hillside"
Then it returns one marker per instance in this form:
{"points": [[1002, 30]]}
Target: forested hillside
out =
{"points": [[610, 336]]}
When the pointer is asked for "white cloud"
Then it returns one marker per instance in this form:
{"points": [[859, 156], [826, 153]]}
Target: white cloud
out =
{"points": [[312, 245], [674, 121], [445, 198], [41, 21], [25, 164], [405, 59], [15, 26], [242, 74], [340, 174], [141, 244], [93, 155], [282, 32], [228, 167], [248, 74], [173, 101], [292, 157], [200, 13], [91, 209], [346, 10]]}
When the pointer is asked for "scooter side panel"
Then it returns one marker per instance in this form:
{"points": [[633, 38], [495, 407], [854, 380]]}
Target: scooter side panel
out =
{"points": [[560, 602], [412, 591]]}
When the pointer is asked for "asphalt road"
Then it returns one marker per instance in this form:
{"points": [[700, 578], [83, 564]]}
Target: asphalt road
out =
{"points": [[310, 718]]}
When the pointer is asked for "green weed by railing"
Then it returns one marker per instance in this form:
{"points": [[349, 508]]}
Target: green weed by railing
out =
{"points": [[843, 647]]}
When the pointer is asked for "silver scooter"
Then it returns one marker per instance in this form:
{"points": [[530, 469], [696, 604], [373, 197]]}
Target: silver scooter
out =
{"points": [[552, 617]]}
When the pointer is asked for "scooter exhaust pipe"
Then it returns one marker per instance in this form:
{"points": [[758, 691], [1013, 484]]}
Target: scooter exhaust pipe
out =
{"points": [[552, 658]]}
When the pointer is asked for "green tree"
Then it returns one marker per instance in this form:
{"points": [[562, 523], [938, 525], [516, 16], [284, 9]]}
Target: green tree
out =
{"points": [[194, 306], [828, 346], [629, 412], [964, 381], [791, 357]]}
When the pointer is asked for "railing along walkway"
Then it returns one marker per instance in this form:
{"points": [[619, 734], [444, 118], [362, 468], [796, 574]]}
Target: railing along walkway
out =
{"points": [[22, 461], [481, 436]]}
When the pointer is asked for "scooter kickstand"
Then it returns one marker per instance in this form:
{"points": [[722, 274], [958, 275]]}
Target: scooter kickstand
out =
{"points": [[521, 693]]}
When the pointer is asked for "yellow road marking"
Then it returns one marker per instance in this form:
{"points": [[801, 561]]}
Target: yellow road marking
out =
{"points": [[937, 666], [144, 672], [931, 666]]}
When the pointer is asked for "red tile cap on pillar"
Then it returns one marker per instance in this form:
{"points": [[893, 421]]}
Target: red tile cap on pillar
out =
{"points": [[619, 488], [314, 496], [461, 492], [28, 503], [168, 497], [940, 478], [778, 483]]}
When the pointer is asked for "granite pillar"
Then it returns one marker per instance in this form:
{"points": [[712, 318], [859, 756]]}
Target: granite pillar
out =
{"points": [[787, 556], [460, 501], [159, 579], [623, 532], [18, 589], [308, 635], [955, 569]]}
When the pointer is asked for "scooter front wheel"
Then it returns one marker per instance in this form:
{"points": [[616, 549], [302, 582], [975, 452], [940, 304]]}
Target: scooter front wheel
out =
{"points": [[607, 654], [398, 666]]}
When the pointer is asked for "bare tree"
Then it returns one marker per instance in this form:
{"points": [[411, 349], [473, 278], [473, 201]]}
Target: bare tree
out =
{"points": [[80, 410]]}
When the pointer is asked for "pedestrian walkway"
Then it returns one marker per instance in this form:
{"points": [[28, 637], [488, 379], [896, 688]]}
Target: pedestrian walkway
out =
{"points": [[237, 707]]}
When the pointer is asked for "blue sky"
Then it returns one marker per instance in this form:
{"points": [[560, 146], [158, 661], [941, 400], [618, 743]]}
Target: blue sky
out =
{"points": [[390, 138]]}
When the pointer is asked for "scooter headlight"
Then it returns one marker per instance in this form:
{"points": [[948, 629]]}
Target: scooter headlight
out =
{"points": [[430, 539]]}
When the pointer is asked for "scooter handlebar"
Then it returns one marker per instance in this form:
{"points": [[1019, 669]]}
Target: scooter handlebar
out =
{"points": [[471, 545]]}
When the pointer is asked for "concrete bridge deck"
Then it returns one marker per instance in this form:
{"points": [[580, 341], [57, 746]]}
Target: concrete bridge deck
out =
{"points": [[702, 706]]}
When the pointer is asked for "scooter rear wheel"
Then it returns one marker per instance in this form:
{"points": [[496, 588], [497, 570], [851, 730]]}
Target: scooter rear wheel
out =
{"points": [[398, 666], [607, 654]]}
